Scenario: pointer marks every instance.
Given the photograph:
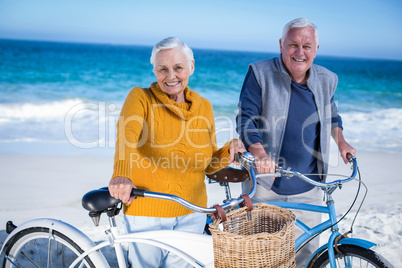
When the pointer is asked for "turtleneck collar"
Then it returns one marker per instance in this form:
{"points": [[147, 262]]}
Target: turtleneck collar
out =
{"points": [[183, 110]]}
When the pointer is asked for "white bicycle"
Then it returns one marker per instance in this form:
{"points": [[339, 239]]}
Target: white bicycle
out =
{"points": [[52, 243]]}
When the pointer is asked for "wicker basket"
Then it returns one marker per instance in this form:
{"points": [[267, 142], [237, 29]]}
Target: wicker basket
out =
{"points": [[266, 240]]}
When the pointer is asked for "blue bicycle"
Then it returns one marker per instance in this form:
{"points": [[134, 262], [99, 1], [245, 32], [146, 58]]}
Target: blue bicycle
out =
{"points": [[53, 243], [340, 250]]}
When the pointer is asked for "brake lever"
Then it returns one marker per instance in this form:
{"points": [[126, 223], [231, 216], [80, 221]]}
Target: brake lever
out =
{"points": [[285, 172]]}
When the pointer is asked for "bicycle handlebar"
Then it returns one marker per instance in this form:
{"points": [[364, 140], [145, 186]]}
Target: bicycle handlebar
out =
{"points": [[290, 173], [247, 160]]}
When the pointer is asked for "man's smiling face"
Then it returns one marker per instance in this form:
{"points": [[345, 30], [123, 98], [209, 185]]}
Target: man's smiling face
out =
{"points": [[298, 49]]}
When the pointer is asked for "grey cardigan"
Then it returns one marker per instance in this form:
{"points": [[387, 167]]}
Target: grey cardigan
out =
{"points": [[275, 84]]}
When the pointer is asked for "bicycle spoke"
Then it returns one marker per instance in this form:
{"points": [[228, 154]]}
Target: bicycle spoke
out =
{"points": [[37, 251], [48, 251], [29, 259], [41, 253], [348, 261], [63, 258]]}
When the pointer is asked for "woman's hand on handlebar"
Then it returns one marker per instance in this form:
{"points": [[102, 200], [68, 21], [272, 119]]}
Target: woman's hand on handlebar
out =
{"points": [[236, 146], [120, 188], [263, 162]]}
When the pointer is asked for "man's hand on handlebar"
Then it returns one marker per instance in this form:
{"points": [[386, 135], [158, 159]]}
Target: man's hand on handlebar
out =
{"points": [[263, 162], [120, 188], [347, 151]]}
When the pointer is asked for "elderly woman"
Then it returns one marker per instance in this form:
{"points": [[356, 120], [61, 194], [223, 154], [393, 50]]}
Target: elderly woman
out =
{"points": [[166, 143]]}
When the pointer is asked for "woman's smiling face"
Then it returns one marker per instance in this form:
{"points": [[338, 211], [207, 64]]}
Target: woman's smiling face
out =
{"points": [[172, 70]]}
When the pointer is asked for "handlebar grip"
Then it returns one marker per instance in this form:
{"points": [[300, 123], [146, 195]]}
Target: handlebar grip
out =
{"points": [[137, 192]]}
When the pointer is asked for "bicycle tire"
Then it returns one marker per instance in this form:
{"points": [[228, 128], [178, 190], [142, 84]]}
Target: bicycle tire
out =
{"points": [[357, 256], [39, 247]]}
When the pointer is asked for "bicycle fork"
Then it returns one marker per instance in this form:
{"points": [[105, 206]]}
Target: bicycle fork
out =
{"points": [[335, 233]]}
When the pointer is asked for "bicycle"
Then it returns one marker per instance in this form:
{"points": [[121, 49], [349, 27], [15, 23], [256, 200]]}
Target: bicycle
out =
{"points": [[53, 243]]}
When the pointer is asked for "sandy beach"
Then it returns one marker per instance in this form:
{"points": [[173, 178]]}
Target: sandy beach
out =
{"points": [[52, 187]]}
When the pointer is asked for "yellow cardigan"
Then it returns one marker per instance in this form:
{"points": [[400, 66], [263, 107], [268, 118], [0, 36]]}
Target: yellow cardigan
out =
{"points": [[167, 147]]}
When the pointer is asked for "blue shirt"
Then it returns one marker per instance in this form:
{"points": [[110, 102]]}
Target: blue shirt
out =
{"points": [[300, 141]]}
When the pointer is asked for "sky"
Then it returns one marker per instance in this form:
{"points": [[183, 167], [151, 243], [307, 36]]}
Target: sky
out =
{"points": [[357, 28]]}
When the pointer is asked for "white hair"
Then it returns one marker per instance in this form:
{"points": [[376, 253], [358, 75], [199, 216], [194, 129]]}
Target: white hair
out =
{"points": [[169, 43], [299, 23]]}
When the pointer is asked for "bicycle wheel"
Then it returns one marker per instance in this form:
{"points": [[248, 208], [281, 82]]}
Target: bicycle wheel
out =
{"points": [[352, 256], [37, 247]]}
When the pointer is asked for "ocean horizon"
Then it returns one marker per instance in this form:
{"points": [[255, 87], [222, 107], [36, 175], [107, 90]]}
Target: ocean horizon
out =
{"points": [[70, 94]]}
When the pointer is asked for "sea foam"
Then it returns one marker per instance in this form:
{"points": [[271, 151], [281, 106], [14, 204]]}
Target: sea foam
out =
{"points": [[90, 124]]}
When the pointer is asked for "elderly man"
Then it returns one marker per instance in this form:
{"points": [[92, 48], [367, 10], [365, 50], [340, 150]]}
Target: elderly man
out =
{"points": [[286, 117]]}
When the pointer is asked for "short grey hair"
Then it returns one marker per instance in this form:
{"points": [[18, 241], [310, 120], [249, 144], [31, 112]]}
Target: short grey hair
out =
{"points": [[172, 42], [299, 23]]}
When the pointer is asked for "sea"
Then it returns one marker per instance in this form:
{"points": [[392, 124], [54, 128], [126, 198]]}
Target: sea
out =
{"points": [[65, 98]]}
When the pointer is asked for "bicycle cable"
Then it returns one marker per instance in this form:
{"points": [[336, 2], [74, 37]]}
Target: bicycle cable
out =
{"points": [[361, 204], [347, 212]]}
